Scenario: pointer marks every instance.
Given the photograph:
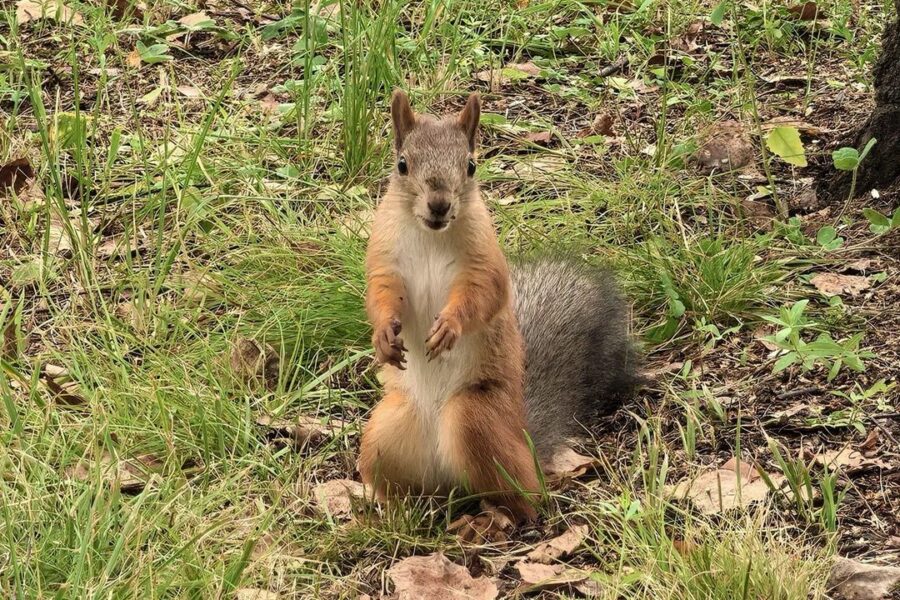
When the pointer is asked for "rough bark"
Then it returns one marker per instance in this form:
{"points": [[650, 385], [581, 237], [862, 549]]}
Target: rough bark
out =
{"points": [[881, 168]]}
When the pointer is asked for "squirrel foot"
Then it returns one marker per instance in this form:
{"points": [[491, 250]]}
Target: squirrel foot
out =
{"points": [[491, 525]]}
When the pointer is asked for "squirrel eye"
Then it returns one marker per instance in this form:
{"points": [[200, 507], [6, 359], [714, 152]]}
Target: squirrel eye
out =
{"points": [[402, 166], [471, 168]]}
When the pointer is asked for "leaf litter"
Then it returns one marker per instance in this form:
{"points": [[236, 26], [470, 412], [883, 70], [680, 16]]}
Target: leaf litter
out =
{"points": [[726, 487], [435, 577]]}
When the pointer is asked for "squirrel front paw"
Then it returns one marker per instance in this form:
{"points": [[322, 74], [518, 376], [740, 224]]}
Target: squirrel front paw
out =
{"points": [[443, 335], [389, 348]]}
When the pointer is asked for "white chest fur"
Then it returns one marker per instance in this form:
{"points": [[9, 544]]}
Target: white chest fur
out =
{"points": [[429, 263]]}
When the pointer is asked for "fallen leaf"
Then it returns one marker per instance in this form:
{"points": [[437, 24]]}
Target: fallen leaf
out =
{"points": [[870, 444], [717, 490], [66, 394], [602, 125], [785, 143], [565, 462], [509, 73], [807, 11], [853, 580], [539, 137], [303, 430], [850, 460], [337, 497], [255, 594], [563, 545], [9, 348], [435, 577], [832, 284], [489, 526], [537, 576], [862, 265], [254, 362], [269, 103], [28, 10], [724, 147], [189, 91], [130, 475], [16, 174], [194, 19], [59, 240]]}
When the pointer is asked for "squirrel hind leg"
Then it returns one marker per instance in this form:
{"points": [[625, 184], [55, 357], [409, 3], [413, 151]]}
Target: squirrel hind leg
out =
{"points": [[479, 431], [392, 449]]}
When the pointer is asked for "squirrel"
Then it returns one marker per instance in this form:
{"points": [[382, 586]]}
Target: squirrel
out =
{"points": [[473, 353]]}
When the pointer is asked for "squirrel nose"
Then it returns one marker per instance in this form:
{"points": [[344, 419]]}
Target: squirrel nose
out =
{"points": [[438, 208]]}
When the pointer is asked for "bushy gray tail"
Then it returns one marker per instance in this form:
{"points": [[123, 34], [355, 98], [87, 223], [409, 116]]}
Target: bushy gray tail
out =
{"points": [[580, 359]]}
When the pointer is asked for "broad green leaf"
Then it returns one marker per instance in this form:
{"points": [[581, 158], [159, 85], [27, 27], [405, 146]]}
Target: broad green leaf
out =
{"points": [[878, 223], [785, 143], [895, 218], [826, 235], [718, 13], [845, 159], [785, 361]]}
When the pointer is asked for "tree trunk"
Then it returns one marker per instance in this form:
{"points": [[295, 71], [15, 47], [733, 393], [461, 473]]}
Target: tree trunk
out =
{"points": [[881, 167]]}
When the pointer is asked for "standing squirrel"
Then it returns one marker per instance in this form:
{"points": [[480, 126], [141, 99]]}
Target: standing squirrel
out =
{"points": [[475, 354]]}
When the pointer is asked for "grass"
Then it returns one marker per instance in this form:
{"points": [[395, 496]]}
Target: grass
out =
{"points": [[221, 192]]}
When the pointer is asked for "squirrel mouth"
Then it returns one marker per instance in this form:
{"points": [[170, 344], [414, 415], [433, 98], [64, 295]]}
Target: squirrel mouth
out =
{"points": [[435, 225]]}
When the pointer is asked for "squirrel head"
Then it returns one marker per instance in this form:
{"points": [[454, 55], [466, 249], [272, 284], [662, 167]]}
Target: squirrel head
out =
{"points": [[434, 166]]}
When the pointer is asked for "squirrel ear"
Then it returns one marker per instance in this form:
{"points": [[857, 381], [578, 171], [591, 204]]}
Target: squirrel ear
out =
{"points": [[403, 117], [468, 118]]}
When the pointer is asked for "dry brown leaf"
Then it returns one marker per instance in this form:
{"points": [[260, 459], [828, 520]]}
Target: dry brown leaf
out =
{"points": [[870, 444], [255, 594], [303, 430], [189, 91], [565, 462], [130, 475], [60, 242], [9, 349], [850, 460], [435, 577], [29, 10], [832, 284], [66, 394], [862, 265], [16, 174], [527, 67], [563, 545], [539, 137], [254, 362], [725, 146], [540, 576], [194, 18], [853, 580], [489, 526], [269, 103], [338, 496], [508, 73], [807, 11], [602, 125], [717, 490]]}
